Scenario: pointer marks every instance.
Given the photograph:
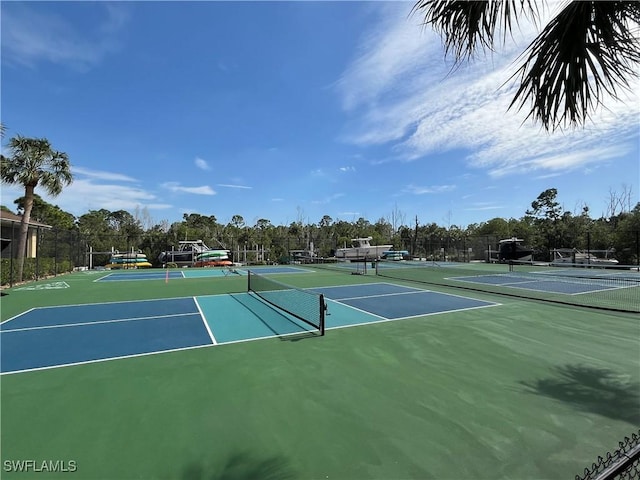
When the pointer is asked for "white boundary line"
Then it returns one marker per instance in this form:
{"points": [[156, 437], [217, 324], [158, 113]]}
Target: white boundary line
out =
{"points": [[396, 319], [140, 276], [159, 352], [204, 320], [356, 309], [533, 281], [98, 322], [383, 295], [99, 360], [19, 315]]}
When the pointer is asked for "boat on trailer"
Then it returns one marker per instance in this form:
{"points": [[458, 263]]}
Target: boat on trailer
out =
{"points": [[128, 260], [396, 255], [572, 256], [196, 253], [361, 249], [213, 258], [512, 249]]}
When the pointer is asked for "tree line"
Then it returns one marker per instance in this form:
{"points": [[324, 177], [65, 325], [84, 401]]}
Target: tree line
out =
{"points": [[544, 227]]}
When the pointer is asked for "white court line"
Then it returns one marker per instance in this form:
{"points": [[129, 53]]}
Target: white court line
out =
{"points": [[396, 319], [100, 360], [204, 320], [80, 324], [381, 320], [17, 316], [357, 310], [140, 276], [376, 295]]}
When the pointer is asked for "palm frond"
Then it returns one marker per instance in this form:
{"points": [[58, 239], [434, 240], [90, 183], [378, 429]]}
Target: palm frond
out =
{"points": [[587, 50], [468, 26]]}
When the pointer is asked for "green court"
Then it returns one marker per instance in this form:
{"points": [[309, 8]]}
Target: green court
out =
{"points": [[481, 386]]}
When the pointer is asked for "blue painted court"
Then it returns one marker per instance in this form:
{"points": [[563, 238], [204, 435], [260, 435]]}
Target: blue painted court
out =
{"points": [[547, 282], [173, 274], [67, 335]]}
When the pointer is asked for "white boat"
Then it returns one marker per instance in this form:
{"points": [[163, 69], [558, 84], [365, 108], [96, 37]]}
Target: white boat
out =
{"points": [[361, 249], [395, 255], [191, 252], [576, 257]]}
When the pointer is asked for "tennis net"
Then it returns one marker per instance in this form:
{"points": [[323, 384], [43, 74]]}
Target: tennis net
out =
{"points": [[609, 289], [305, 305]]}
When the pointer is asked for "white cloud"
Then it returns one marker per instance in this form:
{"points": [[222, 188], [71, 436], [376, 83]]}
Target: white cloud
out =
{"points": [[347, 169], [176, 187], [86, 194], [418, 190], [226, 185], [484, 206], [101, 175], [328, 199], [30, 36], [401, 93], [202, 164]]}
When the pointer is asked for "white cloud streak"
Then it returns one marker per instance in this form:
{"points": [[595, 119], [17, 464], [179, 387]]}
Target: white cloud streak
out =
{"points": [[30, 36], [418, 190], [101, 175], [328, 199], [401, 93], [226, 185], [177, 188]]}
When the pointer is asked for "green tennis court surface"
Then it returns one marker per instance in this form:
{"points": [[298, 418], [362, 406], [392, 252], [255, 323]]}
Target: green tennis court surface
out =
{"points": [[429, 383]]}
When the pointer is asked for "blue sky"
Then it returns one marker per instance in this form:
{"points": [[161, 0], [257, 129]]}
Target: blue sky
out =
{"points": [[289, 111]]}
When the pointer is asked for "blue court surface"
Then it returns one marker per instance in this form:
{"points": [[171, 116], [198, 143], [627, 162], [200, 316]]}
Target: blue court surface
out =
{"points": [[546, 282], [172, 274], [66, 335]]}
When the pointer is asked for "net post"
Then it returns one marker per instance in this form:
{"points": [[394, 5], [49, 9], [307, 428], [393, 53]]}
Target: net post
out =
{"points": [[323, 311]]}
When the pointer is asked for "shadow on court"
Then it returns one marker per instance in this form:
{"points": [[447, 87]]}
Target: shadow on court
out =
{"points": [[242, 466], [275, 320], [591, 389]]}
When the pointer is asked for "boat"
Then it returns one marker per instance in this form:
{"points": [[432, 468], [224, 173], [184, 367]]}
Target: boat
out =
{"points": [[128, 260], [512, 249], [572, 256], [213, 258], [196, 253], [395, 255], [361, 249]]}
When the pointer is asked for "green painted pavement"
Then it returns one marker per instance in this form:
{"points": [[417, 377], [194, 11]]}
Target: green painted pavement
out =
{"points": [[523, 390]]}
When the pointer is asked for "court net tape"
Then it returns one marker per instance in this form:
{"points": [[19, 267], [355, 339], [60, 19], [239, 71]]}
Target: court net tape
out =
{"points": [[307, 306]]}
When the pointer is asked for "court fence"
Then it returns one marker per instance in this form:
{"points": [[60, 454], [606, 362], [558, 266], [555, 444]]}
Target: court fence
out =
{"points": [[57, 251], [601, 288], [621, 464]]}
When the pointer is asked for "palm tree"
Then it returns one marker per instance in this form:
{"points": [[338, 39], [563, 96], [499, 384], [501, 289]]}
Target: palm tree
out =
{"points": [[586, 51], [33, 163]]}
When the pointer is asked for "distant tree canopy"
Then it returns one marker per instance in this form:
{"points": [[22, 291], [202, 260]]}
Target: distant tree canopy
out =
{"points": [[47, 213], [546, 225]]}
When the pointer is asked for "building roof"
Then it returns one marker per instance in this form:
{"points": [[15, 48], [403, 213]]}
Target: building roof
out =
{"points": [[8, 218]]}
